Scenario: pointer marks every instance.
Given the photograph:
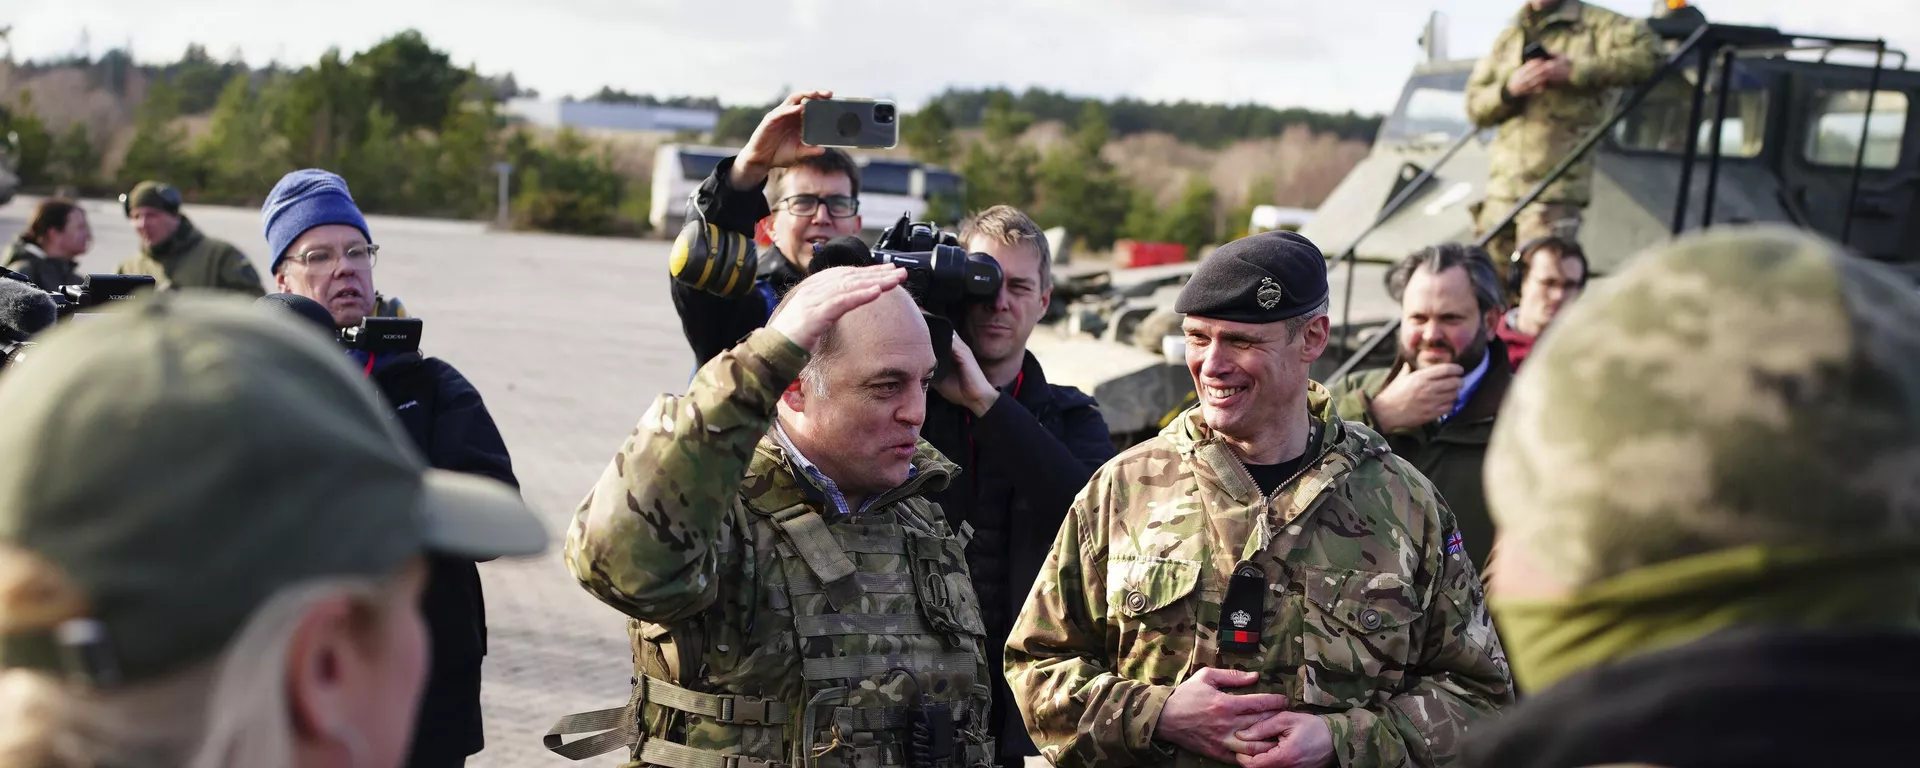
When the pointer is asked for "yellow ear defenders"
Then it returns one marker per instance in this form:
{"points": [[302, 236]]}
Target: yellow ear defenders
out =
{"points": [[167, 193], [713, 260]]}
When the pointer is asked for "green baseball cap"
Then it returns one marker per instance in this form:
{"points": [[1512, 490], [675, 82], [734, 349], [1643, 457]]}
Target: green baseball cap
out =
{"points": [[178, 461]]}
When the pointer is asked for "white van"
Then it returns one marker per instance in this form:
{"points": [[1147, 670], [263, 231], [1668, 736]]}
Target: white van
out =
{"points": [[678, 170], [888, 189]]}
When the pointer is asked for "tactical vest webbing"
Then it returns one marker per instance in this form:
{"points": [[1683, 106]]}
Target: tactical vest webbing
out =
{"points": [[886, 629]]}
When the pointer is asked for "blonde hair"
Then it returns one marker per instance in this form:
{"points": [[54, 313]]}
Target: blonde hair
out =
{"points": [[1006, 225], [228, 712]]}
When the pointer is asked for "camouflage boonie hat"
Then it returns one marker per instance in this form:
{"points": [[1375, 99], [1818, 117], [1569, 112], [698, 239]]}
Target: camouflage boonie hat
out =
{"points": [[1747, 386]]}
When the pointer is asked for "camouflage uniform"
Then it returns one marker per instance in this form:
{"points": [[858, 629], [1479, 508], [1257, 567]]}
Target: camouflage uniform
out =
{"points": [[769, 625], [1536, 132], [1375, 620]]}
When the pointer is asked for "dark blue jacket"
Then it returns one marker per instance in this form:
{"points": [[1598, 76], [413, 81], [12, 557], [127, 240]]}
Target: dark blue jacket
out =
{"points": [[1021, 463], [450, 425]]}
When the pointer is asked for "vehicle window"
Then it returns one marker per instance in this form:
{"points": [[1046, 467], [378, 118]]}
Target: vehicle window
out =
{"points": [[697, 166], [942, 183], [1839, 116], [1433, 107], [887, 179], [1660, 124]]}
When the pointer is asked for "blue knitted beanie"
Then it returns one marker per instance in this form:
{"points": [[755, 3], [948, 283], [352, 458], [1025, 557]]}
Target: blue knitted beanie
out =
{"points": [[301, 201]]}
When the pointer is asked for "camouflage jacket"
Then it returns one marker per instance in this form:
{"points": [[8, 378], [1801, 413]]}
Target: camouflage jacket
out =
{"points": [[684, 533], [1536, 132], [191, 259], [1374, 617]]}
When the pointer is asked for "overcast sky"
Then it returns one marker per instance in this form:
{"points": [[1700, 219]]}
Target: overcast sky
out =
{"points": [[1325, 54]]}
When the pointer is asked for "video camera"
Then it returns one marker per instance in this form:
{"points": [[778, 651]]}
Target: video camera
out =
{"points": [[943, 278], [25, 309]]}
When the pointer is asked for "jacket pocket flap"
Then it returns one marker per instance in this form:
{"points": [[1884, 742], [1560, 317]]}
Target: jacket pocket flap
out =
{"points": [[1364, 601], [1148, 584]]}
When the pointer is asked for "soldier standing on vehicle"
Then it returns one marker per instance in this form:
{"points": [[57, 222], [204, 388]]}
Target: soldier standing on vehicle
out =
{"points": [[1545, 85], [1262, 544], [797, 600]]}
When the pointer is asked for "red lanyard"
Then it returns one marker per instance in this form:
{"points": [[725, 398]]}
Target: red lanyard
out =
{"points": [[369, 371]]}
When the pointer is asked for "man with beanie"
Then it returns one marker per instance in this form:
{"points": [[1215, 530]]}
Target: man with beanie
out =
{"points": [[1709, 525], [1262, 583], [175, 252], [322, 250]]}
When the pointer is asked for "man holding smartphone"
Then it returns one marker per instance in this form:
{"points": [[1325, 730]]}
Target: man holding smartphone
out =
{"points": [[816, 197], [1546, 84]]}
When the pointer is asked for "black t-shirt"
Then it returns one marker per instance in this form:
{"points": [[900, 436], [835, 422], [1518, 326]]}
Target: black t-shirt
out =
{"points": [[1271, 476]]}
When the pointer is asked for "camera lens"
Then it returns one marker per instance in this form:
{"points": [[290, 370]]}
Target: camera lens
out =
{"points": [[883, 113]]}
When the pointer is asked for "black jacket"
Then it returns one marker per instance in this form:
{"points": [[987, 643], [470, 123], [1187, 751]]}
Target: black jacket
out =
{"points": [[1754, 698], [1022, 462], [713, 324], [45, 271], [450, 425]]}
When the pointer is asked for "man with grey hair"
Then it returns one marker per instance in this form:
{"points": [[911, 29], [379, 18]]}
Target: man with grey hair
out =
{"points": [[1025, 446], [1437, 403]]}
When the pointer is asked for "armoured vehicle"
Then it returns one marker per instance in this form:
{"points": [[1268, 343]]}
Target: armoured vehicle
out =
{"points": [[1804, 129]]}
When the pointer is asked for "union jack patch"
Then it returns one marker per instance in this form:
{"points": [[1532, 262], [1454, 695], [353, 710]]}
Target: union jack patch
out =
{"points": [[1454, 544]]}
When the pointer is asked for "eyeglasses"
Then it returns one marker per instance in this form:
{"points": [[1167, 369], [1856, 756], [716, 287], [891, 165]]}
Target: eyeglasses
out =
{"points": [[323, 259], [838, 206]]}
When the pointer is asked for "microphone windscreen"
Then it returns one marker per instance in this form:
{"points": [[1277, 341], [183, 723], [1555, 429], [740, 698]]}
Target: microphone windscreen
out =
{"points": [[24, 309], [298, 306]]}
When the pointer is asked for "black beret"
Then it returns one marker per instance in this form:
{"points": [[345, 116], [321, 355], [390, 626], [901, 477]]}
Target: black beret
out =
{"points": [[1264, 278]]}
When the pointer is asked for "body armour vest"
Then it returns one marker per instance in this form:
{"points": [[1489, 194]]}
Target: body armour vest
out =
{"points": [[883, 664]]}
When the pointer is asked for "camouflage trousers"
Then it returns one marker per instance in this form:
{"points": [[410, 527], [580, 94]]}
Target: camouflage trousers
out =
{"points": [[1536, 220]]}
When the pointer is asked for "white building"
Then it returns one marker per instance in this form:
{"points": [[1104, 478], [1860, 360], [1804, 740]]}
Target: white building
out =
{"points": [[612, 117]]}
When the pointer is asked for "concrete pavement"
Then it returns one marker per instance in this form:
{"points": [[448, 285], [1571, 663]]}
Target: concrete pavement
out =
{"points": [[568, 339]]}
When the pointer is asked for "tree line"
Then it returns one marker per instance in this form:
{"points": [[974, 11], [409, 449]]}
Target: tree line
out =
{"points": [[1071, 185], [412, 134], [415, 135]]}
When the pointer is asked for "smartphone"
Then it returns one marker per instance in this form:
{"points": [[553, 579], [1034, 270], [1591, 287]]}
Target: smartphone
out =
{"points": [[861, 123], [1534, 51]]}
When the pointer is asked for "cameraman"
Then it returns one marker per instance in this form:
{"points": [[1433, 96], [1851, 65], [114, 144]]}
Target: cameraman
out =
{"points": [[321, 249], [1025, 447], [817, 198]]}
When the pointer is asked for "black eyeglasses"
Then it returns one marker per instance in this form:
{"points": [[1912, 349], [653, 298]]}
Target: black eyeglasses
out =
{"points": [[838, 206]]}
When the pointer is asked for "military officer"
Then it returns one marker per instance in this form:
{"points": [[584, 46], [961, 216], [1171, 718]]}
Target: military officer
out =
{"points": [[1543, 106], [796, 600], [1258, 543]]}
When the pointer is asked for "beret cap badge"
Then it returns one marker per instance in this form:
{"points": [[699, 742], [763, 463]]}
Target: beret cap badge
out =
{"points": [[1269, 294]]}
